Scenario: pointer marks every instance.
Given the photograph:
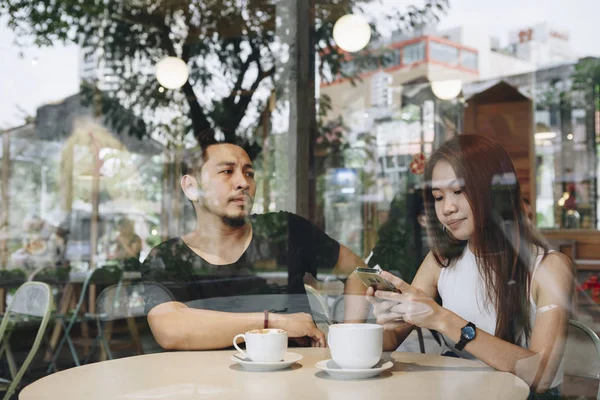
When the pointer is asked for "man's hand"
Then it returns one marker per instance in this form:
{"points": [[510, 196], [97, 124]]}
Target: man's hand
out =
{"points": [[298, 325]]}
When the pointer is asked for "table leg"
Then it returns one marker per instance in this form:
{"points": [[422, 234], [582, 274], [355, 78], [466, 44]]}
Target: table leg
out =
{"points": [[74, 297], [135, 335], [2, 299], [92, 298], [108, 329], [85, 332], [63, 308]]}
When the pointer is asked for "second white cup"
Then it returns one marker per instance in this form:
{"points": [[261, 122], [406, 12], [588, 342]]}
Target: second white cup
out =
{"points": [[355, 346], [264, 345]]}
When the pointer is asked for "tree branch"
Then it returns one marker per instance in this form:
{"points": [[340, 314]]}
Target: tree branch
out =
{"points": [[201, 125]]}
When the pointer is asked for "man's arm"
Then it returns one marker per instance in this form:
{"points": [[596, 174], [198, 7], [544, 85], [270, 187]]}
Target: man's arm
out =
{"points": [[175, 326]]}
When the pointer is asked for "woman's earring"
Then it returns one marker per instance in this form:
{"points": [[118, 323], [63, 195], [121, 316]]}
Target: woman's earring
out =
{"points": [[444, 228]]}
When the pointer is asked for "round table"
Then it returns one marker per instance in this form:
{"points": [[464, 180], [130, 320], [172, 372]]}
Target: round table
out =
{"points": [[211, 374]]}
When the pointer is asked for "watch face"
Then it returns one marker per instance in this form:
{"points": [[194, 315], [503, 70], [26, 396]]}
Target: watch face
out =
{"points": [[468, 332]]}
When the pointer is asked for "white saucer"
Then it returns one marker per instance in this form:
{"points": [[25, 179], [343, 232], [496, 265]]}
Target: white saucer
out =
{"points": [[334, 370], [288, 359]]}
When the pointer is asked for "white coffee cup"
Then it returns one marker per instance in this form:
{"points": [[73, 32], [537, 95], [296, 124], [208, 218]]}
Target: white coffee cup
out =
{"points": [[264, 345], [355, 346]]}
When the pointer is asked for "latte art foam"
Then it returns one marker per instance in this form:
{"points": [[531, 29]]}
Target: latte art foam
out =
{"points": [[266, 331]]}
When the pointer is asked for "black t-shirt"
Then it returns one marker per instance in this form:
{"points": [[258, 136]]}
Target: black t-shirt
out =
{"points": [[269, 274]]}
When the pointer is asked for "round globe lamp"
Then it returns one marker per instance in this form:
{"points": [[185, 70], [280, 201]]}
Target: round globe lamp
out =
{"points": [[446, 90], [172, 72], [351, 33]]}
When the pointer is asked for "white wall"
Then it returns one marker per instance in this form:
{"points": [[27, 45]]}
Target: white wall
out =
{"points": [[491, 64], [503, 65], [475, 37]]}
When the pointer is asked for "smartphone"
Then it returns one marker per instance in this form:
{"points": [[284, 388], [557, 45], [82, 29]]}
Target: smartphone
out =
{"points": [[372, 278]]}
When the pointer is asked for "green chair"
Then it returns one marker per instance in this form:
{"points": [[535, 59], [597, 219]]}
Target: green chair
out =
{"points": [[32, 299], [581, 362], [106, 275]]}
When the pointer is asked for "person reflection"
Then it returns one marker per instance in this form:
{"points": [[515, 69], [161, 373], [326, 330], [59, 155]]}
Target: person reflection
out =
{"points": [[127, 245], [214, 268], [37, 252], [505, 296]]}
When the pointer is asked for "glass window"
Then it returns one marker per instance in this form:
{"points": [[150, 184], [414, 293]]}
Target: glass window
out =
{"points": [[104, 102], [414, 52], [468, 59], [566, 147], [348, 68], [566, 173], [390, 162], [443, 52], [391, 58]]}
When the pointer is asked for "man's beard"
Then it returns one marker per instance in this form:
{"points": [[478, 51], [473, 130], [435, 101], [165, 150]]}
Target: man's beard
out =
{"points": [[233, 222], [230, 221]]}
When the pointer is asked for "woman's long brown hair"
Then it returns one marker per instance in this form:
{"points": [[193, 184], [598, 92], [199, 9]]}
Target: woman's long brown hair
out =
{"points": [[504, 241]]}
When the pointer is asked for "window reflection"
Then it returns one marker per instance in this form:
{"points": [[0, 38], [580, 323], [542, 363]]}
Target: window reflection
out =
{"points": [[468, 59], [444, 53], [93, 147], [414, 52]]}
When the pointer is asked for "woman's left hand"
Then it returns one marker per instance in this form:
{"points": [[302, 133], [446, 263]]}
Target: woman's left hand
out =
{"points": [[413, 304]]}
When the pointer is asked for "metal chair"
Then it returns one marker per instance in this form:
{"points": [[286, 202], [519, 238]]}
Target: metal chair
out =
{"points": [[125, 301], [102, 275], [581, 362], [32, 299], [318, 306]]}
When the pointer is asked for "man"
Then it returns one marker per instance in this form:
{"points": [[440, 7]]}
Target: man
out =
{"points": [[214, 267]]}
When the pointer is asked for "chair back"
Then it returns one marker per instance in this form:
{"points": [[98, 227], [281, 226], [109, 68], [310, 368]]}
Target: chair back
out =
{"points": [[318, 305], [581, 362], [126, 300], [32, 299], [567, 247], [106, 275]]}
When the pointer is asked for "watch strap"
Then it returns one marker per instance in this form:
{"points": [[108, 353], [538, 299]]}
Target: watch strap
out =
{"points": [[463, 339]]}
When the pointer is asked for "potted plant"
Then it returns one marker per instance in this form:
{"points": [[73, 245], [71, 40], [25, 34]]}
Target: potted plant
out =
{"points": [[12, 276]]}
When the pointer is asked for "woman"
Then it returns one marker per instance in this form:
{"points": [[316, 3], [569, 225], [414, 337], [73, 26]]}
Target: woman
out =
{"points": [[128, 246], [505, 297]]}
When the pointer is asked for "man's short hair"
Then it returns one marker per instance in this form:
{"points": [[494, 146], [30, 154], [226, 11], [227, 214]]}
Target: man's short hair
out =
{"points": [[193, 159]]}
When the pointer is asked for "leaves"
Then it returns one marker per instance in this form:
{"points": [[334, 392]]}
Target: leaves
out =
{"points": [[395, 249], [229, 46]]}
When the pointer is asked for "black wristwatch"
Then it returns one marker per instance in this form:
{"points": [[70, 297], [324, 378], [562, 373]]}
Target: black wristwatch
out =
{"points": [[467, 333]]}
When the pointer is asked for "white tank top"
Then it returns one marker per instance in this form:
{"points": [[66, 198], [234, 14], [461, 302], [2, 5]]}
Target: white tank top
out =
{"points": [[459, 284]]}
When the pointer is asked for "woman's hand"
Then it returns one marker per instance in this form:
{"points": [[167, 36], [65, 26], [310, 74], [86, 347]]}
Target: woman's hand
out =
{"points": [[411, 305]]}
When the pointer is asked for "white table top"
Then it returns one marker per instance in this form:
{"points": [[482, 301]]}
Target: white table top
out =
{"points": [[211, 374]]}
